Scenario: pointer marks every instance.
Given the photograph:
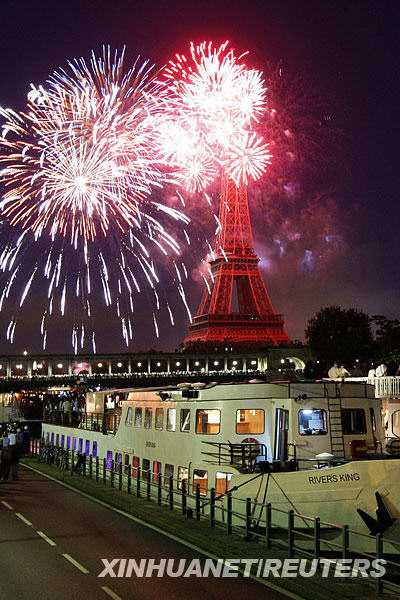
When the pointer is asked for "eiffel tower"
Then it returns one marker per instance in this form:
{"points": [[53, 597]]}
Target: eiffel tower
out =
{"points": [[235, 307]]}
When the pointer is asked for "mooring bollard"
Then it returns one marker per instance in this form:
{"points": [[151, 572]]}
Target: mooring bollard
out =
{"points": [[345, 547], [317, 537], [268, 525], [139, 474], [148, 495], [229, 511], [171, 492], [183, 497], [159, 482], [248, 518], [212, 507], [198, 502], [290, 533]]}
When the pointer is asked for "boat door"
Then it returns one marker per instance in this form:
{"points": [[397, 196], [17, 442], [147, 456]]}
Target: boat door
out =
{"points": [[281, 434]]}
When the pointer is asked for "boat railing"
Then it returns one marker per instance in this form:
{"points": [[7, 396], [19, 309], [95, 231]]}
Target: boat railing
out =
{"points": [[292, 451], [107, 422], [385, 387], [293, 533], [252, 458], [245, 456], [393, 446]]}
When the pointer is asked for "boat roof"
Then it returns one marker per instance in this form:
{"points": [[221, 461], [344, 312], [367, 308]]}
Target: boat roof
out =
{"points": [[206, 386]]}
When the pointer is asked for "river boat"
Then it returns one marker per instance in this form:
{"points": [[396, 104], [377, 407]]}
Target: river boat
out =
{"points": [[317, 448]]}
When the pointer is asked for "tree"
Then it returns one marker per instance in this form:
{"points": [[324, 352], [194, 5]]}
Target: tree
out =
{"points": [[340, 334], [387, 336]]}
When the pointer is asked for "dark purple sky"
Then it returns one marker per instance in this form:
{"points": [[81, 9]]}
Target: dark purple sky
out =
{"points": [[326, 225]]}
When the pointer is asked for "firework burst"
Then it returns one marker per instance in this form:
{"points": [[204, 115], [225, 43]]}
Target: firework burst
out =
{"points": [[79, 168], [214, 101], [81, 158]]}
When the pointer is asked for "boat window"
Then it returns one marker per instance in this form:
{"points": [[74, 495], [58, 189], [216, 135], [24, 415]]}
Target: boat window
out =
{"points": [[118, 462], [190, 393], [208, 420], [94, 449], [145, 468], [168, 473], [200, 478], [156, 470], [222, 482], [62, 441], [80, 446], [138, 417], [148, 418], [159, 418], [109, 459], [87, 447], [395, 423], [312, 421], [135, 465], [185, 419], [281, 434], [353, 421], [52, 438], [129, 416], [126, 464], [373, 421], [75, 444], [250, 420], [68, 442], [183, 475], [171, 419], [57, 439]]}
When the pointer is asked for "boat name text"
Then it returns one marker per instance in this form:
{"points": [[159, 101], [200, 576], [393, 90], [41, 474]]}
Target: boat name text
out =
{"points": [[334, 478]]}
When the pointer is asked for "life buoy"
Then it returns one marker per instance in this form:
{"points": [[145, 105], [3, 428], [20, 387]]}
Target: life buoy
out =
{"points": [[250, 441], [255, 451]]}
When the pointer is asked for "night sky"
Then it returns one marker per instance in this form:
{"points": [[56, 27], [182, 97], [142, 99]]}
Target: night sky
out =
{"points": [[325, 217]]}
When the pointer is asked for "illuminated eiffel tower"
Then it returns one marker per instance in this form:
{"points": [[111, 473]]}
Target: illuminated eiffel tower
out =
{"points": [[235, 306]]}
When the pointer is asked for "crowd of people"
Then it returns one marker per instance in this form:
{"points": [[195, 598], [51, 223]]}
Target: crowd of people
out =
{"points": [[338, 370], [64, 410], [14, 441]]}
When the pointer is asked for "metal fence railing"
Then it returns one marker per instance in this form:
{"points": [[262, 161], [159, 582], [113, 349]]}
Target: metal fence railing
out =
{"points": [[294, 533]]}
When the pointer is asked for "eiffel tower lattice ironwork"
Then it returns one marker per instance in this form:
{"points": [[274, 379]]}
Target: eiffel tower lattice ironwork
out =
{"points": [[236, 306]]}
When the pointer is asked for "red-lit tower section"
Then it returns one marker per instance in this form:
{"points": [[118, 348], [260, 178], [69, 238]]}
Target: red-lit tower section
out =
{"points": [[237, 307]]}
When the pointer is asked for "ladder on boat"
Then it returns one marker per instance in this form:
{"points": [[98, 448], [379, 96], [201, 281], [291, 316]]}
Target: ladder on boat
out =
{"points": [[335, 425]]}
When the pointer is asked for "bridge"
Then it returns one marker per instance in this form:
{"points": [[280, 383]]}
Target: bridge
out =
{"points": [[40, 369]]}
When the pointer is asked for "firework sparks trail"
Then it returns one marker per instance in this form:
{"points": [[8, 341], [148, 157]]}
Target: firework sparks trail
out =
{"points": [[81, 162], [214, 100], [79, 166], [81, 158]]}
